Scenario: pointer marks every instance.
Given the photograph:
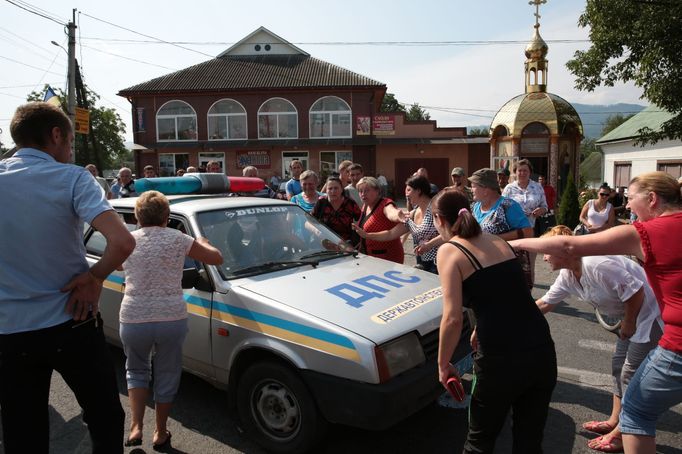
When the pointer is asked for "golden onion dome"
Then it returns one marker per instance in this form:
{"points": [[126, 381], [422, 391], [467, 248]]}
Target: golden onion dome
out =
{"points": [[537, 47], [552, 110]]}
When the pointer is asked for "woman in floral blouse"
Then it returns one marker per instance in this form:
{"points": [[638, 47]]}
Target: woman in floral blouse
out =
{"points": [[336, 210], [530, 195]]}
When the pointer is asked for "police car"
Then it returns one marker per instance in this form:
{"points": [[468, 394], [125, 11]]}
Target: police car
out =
{"points": [[298, 329]]}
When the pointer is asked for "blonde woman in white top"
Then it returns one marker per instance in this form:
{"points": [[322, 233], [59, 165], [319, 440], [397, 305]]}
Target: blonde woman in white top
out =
{"points": [[618, 287], [153, 314], [598, 214]]}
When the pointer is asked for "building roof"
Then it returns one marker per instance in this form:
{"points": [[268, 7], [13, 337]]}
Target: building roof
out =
{"points": [[652, 117], [552, 110], [251, 72]]}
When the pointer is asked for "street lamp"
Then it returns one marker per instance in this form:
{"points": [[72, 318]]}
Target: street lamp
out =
{"points": [[71, 93]]}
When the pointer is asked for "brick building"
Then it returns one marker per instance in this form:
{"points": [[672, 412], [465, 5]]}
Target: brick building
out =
{"points": [[265, 102]]}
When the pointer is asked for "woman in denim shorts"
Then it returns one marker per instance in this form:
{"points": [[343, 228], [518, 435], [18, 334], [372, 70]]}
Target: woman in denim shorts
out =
{"points": [[655, 240]]}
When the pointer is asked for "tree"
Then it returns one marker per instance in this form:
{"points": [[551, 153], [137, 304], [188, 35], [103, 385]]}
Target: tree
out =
{"points": [[479, 132], [613, 121], [569, 208], [104, 145], [587, 147], [416, 113], [635, 41], [390, 104]]}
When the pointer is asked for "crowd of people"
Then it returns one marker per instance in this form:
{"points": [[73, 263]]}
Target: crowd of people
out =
{"points": [[471, 236]]}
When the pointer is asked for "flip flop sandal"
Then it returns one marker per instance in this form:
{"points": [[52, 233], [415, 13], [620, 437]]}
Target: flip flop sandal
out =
{"points": [[598, 427], [607, 446]]}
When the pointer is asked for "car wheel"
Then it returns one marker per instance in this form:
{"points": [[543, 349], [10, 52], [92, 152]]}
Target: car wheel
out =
{"points": [[276, 409]]}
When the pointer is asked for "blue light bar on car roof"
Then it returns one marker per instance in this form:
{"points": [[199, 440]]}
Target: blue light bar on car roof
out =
{"points": [[199, 183]]}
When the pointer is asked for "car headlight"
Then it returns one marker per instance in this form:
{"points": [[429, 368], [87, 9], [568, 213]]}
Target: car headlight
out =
{"points": [[398, 355]]}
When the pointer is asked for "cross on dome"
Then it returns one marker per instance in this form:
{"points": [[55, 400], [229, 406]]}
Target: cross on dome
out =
{"points": [[537, 4]]}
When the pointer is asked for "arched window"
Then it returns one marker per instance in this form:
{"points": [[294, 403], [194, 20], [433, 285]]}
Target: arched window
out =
{"points": [[500, 131], [330, 117], [176, 120], [535, 128], [277, 119], [226, 120]]}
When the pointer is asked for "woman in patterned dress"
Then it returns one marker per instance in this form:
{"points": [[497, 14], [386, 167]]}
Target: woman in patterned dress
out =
{"points": [[378, 214], [153, 314], [497, 214], [337, 211], [419, 223]]}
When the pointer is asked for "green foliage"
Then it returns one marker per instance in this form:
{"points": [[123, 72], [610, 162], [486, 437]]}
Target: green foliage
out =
{"points": [[587, 147], [479, 132], [390, 104], [569, 207], [104, 145], [635, 41], [416, 113], [586, 195], [613, 122]]}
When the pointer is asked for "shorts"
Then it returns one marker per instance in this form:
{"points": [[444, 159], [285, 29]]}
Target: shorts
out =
{"points": [[655, 387]]}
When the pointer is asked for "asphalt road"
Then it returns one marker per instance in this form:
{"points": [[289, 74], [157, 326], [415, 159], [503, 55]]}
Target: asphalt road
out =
{"points": [[200, 422]]}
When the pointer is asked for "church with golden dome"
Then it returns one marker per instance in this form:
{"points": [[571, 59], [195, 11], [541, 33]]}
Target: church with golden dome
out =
{"points": [[537, 125]]}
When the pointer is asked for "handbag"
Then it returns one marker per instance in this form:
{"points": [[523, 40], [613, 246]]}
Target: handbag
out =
{"points": [[524, 260], [580, 230]]}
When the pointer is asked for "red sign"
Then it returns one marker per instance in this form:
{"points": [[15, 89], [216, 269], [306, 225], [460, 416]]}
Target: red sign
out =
{"points": [[384, 125]]}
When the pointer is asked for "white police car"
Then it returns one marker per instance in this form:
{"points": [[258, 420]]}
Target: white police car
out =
{"points": [[300, 331]]}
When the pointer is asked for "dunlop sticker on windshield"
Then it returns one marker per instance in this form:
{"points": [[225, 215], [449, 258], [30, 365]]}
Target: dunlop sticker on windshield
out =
{"points": [[386, 316]]}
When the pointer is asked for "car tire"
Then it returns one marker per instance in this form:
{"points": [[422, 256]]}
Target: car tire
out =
{"points": [[276, 409]]}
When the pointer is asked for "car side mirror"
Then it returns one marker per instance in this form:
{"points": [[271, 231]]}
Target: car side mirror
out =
{"points": [[193, 278]]}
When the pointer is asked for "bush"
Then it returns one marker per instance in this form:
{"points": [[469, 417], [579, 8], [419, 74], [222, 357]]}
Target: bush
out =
{"points": [[569, 208]]}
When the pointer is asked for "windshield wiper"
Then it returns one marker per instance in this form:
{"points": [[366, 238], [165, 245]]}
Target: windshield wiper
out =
{"points": [[274, 264], [325, 253]]}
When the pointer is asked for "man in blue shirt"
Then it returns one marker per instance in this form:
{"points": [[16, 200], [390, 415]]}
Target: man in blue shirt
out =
{"points": [[293, 186], [48, 296]]}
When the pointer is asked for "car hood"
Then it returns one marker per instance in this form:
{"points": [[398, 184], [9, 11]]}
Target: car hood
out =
{"points": [[371, 297]]}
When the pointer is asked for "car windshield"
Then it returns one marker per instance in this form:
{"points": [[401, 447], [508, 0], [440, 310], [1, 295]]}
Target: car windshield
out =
{"points": [[257, 240]]}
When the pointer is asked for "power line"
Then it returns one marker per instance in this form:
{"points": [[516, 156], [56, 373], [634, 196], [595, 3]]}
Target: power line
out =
{"points": [[127, 58], [30, 66], [35, 10], [146, 36], [342, 43]]}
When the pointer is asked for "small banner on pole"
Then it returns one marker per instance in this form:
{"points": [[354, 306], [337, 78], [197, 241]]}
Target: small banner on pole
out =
{"points": [[82, 125]]}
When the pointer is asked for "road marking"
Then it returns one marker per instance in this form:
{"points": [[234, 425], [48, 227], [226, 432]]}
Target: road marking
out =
{"points": [[585, 377], [597, 345]]}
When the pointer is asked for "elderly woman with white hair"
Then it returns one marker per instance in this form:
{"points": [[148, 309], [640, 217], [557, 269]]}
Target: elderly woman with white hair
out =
{"points": [[309, 195]]}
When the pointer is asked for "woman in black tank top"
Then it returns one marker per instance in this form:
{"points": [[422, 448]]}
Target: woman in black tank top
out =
{"points": [[514, 359]]}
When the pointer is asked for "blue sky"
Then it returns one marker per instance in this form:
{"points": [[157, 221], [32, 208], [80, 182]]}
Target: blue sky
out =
{"points": [[473, 80]]}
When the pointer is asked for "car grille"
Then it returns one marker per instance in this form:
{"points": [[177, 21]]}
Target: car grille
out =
{"points": [[429, 341]]}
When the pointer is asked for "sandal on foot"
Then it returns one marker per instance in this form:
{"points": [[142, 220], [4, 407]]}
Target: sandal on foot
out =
{"points": [[164, 444], [615, 444], [133, 442], [598, 427]]}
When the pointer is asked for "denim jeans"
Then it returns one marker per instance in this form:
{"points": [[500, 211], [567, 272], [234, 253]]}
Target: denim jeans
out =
{"points": [[655, 387], [78, 352]]}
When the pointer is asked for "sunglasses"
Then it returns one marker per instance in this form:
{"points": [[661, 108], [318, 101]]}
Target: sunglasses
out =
{"points": [[604, 194]]}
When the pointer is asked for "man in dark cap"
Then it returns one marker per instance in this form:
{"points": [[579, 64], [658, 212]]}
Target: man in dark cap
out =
{"points": [[458, 178]]}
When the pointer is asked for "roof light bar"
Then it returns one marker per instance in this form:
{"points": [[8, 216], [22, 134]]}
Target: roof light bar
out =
{"points": [[199, 183]]}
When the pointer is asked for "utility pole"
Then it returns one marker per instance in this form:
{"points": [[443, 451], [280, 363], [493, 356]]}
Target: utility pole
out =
{"points": [[72, 80]]}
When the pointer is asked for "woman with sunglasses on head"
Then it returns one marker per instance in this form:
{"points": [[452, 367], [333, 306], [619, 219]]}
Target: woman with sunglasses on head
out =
{"points": [[655, 240], [598, 214], [515, 362]]}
